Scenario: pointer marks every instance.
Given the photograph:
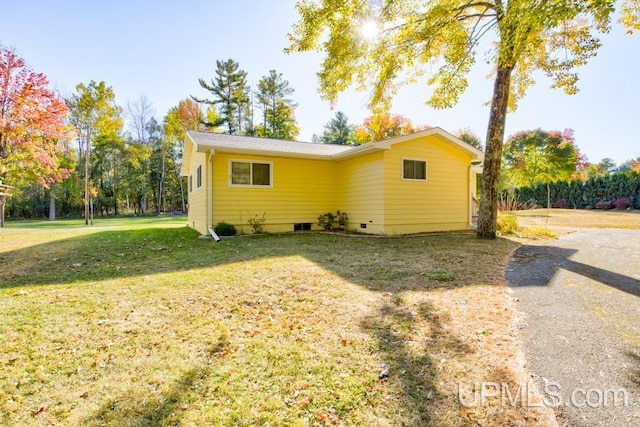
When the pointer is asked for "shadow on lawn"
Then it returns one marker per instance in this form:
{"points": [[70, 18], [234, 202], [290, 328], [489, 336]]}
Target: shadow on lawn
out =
{"points": [[138, 411], [382, 265], [634, 374], [109, 255], [415, 375], [537, 265]]}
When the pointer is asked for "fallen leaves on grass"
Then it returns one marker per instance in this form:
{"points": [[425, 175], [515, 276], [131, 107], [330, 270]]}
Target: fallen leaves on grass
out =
{"points": [[255, 331]]}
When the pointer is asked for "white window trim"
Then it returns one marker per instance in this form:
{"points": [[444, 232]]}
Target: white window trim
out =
{"points": [[426, 170], [201, 177], [265, 162]]}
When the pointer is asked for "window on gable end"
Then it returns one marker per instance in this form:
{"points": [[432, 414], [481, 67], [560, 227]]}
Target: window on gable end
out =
{"points": [[414, 169]]}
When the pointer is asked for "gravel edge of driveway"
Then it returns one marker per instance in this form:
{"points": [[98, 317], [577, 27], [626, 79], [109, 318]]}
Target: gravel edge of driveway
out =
{"points": [[580, 286]]}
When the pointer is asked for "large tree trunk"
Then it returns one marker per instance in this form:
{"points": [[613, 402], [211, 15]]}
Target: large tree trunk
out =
{"points": [[488, 215]]}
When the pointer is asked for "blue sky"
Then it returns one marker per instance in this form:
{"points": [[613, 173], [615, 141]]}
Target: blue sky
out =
{"points": [[160, 48]]}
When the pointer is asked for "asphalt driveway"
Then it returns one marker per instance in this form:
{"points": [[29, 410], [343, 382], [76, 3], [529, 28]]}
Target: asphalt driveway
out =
{"points": [[580, 296]]}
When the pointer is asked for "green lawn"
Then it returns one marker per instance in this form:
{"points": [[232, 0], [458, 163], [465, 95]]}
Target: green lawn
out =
{"points": [[140, 322], [99, 222]]}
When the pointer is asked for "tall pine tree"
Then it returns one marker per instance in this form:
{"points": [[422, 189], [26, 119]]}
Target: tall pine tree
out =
{"points": [[278, 120], [339, 131], [231, 95]]}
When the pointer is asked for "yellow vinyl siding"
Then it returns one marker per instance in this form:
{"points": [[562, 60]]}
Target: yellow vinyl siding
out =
{"points": [[301, 190], [369, 187], [361, 192], [441, 202], [197, 198]]}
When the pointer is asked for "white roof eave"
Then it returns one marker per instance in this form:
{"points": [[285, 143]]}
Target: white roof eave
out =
{"points": [[259, 152]]}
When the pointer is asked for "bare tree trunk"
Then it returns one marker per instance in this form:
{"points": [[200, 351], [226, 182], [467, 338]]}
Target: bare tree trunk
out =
{"points": [[91, 206], [488, 215], [116, 183], [184, 205], [3, 201], [52, 207], [160, 185]]}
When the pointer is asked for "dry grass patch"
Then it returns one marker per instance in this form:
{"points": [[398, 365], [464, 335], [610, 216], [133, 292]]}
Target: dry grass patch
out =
{"points": [[508, 225], [574, 218], [152, 326]]}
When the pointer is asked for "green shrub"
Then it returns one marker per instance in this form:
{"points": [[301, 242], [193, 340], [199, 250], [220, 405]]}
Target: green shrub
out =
{"points": [[257, 223], [326, 221], [225, 229], [507, 224]]}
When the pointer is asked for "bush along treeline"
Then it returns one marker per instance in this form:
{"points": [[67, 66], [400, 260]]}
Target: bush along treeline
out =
{"points": [[616, 191]]}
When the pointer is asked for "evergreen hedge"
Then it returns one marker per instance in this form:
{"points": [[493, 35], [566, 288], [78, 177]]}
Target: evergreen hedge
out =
{"points": [[593, 193]]}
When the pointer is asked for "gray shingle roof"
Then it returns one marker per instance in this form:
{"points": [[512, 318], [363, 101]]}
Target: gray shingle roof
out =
{"points": [[205, 141], [236, 143]]}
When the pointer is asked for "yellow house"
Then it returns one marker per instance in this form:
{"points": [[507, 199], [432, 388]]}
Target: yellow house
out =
{"points": [[414, 183]]}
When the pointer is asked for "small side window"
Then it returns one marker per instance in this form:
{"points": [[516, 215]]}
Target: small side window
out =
{"points": [[199, 177], [414, 169]]}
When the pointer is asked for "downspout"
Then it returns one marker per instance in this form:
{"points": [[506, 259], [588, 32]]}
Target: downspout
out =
{"points": [[210, 197], [471, 189]]}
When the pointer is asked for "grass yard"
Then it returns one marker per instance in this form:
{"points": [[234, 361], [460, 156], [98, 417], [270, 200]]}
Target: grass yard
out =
{"points": [[573, 218], [140, 323]]}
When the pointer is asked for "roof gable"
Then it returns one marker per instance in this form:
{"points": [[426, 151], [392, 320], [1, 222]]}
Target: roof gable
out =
{"points": [[439, 132]]}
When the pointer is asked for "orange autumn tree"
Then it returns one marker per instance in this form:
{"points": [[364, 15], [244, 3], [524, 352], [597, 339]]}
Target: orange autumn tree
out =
{"points": [[379, 127], [31, 125]]}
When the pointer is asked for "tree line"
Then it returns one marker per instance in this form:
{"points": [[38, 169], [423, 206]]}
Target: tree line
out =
{"points": [[134, 170], [546, 168], [86, 154]]}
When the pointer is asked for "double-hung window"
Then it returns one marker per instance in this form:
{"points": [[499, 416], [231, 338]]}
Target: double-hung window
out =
{"points": [[250, 173]]}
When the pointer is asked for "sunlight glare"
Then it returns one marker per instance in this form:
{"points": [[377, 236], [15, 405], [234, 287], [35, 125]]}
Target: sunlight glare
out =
{"points": [[369, 29]]}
